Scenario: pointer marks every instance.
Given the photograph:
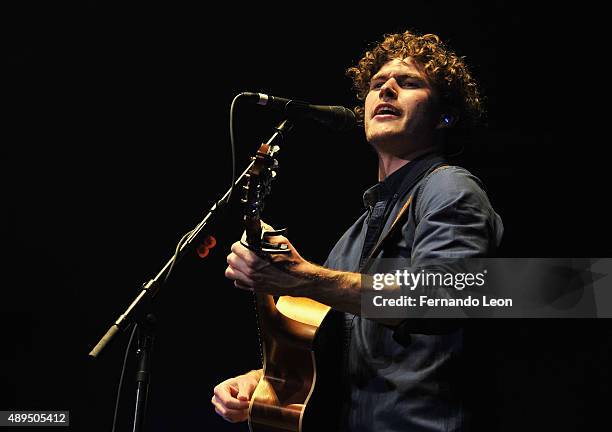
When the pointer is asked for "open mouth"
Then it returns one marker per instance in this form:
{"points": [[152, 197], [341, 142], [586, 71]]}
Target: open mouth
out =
{"points": [[386, 111]]}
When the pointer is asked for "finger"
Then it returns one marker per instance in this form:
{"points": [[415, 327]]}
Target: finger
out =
{"points": [[243, 286], [249, 257], [276, 239], [245, 390], [266, 226], [237, 275], [233, 389], [244, 253], [225, 395], [243, 240], [231, 403], [239, 264], [229, 414], [225, 391]]}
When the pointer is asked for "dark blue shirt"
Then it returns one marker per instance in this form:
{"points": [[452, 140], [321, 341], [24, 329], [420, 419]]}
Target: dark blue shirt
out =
{"points": [[409, 377]]}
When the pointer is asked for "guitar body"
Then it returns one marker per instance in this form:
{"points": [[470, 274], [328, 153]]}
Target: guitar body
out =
{"points": [[300, 390]]}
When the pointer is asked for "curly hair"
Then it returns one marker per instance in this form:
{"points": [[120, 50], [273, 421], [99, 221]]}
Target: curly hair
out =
{"points": [[447, 72]]}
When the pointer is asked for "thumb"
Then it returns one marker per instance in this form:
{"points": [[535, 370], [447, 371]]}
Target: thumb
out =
{"points": [[245, 390], [266, 226]]}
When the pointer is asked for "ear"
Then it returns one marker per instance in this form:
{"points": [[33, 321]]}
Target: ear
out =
{"points": [[446, 121]]}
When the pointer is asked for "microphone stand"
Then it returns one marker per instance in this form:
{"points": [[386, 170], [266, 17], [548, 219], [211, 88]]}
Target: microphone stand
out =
{"points": [[151, 288], [146, 334]]}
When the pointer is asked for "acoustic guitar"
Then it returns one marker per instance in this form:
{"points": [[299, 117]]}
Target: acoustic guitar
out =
{"points": [[299, 337]]}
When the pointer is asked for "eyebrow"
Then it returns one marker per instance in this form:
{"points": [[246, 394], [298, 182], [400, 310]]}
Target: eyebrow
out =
{"points": [[402, 75]]}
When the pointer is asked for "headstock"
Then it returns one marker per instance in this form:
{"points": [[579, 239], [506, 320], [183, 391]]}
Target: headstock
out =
{"points": [[258, 187]]}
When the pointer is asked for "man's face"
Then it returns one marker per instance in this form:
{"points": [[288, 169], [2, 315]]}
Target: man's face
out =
{"points": [[400, 108]]}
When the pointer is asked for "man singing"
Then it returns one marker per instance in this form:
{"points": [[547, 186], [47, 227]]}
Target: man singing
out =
{"points": [[403, 375]]}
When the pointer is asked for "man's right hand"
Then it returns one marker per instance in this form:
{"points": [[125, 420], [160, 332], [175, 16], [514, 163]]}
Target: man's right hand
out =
{"points": [[231, 397]]}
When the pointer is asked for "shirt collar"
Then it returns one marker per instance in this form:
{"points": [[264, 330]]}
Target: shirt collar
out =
{"points": [[398, 181], [376, 193]]}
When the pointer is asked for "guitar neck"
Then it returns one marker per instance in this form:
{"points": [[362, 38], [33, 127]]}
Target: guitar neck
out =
{"points": [[253, 232]]}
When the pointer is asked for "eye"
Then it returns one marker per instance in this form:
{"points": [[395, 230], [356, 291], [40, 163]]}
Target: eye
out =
{"points": [[409, 84], [376, 85]]}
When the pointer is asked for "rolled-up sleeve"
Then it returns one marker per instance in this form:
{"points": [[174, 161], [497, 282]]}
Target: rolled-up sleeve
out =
{"points": [[454, 219]]}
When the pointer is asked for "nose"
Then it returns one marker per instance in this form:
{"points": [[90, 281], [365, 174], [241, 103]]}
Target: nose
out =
{"points": [[387, 90]]}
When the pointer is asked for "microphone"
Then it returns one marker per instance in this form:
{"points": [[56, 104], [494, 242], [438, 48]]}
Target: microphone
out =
{"points": [[335, 117]]}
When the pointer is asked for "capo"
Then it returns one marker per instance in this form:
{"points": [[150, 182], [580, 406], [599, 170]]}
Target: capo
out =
{"points": [[267, 247]]}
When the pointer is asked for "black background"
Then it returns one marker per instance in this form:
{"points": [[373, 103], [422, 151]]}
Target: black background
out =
{"points": [[115, 143]]}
